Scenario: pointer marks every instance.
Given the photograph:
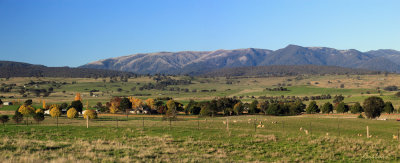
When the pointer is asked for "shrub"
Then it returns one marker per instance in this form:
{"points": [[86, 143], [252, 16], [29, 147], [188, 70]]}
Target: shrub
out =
{"points": [[312, 108], [72, 113], [388, 107], [360, 116], [327, 108], [90, 113], [373, 106], [356, 108]]}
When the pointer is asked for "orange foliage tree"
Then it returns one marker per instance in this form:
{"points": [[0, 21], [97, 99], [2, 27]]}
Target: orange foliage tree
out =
{"points": [[78, 97]]}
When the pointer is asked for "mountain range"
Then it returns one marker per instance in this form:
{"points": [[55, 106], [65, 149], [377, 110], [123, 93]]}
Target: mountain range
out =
{"points": [[199, 62]]}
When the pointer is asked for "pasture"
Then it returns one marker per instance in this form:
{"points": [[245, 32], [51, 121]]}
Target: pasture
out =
{"points": [[191, 139]]}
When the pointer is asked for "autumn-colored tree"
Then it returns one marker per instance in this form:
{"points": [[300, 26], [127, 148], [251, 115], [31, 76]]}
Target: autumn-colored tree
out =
{"points": [[55, 112], [39, 111], [78, 97], [114, 108], [136, 103], [150, 103], [44, 104], [72, 113], [238, 108], [92, 114], [26, 110]]}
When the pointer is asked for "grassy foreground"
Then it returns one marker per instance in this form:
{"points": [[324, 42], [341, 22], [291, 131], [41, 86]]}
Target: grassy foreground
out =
{"points": [[191, 139]]}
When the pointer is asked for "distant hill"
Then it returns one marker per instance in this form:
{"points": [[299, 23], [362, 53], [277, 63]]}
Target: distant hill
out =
{"points": [[286, 70], [198, 62], [19, 69]]}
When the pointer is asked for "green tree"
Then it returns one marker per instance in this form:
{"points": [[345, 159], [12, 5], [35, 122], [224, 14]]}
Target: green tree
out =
{"points": [[205, 109], [253, 107], [188, 108], [77, 105], [18, 117], [356, 108], [312, 108], [273, 109], [296, 107], [38, 117], [171, 112], [373, 106], [28, 102], [327, 108], [125, 104], [1, 102], [342, 108], [388, 107], [263, 106]]}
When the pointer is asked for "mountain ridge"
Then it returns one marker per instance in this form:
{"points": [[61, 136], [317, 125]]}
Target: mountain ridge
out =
{"points": [[198, 62]]}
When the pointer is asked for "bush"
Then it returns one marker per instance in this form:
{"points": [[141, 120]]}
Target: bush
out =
{"points": [[356, 108], [72, 113], [360, 116], [327, 108], [373, 106], [312, 108], [388, 107], [342, 108]]}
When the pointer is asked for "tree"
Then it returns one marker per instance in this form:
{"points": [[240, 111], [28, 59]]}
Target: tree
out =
{"points": [[43, 104], [356, 108], [4, 119], [238, 108], [312, 108], [171, 112], [18, 117], [136, 103], [373, 106], [388, 107], [297, 107], [327, 108], [55, 112], [90, 113], [205, 109], [1, 102], [125, 105], [27, 111], [273, 109], [78, 97], [338, 99], [342, 108], [263, 106], [72, 113], [28, 102], [77, 104], [150, 103], [38, 117], [39, 111], [253, 107]]}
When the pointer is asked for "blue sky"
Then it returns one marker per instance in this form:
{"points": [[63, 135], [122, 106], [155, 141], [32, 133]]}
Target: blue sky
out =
{"points": [[75, 32]]}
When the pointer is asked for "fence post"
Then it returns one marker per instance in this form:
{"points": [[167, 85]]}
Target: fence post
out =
{"points": [[143, 122], [255, 125], [198, 124], [367, 132]]}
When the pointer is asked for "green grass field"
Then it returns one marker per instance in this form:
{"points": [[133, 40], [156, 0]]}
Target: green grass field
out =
{"points": [[329, 138]]}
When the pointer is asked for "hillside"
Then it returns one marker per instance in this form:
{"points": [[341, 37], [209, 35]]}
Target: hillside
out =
{"points": [[194, 62], [19, 69], [286, 70]]}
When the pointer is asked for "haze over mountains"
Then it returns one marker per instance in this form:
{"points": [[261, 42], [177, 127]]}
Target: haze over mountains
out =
{"points": [[198, 62]]}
